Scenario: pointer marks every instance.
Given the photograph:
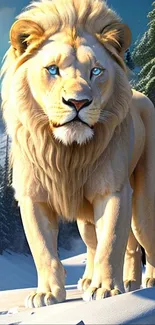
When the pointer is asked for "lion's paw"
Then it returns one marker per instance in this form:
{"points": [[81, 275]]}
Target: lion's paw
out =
{"points": [[84, 283], [40, 299], [150, 282], [131, 285], [93, 293]]}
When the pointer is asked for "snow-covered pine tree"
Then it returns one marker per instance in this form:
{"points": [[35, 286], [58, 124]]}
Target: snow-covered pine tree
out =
{"points": [[128, 60], [6, 201], [4, 228], [12, 235], [144, 58]]}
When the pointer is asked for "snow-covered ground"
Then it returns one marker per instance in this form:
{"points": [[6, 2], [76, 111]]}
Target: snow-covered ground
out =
{"points": [[18, 271]]}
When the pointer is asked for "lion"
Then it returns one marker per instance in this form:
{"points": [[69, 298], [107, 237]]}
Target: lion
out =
{"points": [[82, 146]]}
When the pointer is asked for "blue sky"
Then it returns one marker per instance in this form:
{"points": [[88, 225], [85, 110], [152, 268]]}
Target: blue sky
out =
{"points": [[133, 13]]}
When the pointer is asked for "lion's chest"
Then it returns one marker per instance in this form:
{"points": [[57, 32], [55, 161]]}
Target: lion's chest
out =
{"points": [[109, 174]]}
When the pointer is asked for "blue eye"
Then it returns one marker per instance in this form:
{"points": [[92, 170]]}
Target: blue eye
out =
{"points": [[96, 71], [53, 70]]}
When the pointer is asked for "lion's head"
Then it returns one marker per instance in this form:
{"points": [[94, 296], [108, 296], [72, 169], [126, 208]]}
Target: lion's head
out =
{"points": [[64, 92], [67, 60]]}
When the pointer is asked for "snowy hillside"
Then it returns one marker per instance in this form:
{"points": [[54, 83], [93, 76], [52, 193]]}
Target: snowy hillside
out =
{"points": [[131, 308], [18, 271]]}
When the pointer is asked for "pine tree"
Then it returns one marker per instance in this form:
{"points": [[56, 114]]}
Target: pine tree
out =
{"points": [[144, 58], [12, 235], [68, 231], [128, 60], [4, 228]]}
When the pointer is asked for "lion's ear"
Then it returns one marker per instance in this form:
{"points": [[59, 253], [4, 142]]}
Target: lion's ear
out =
{"points": [[118, 35], [23, 33]]}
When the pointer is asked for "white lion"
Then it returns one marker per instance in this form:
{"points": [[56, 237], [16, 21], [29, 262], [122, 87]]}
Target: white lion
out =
{"points": [[82, 145]]}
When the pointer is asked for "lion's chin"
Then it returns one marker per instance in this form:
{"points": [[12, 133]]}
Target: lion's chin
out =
{"points": [[73, 132]]}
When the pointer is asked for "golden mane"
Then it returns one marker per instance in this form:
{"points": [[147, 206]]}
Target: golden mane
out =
{"points": [[61, 171], [54, 16], [93, 16]]}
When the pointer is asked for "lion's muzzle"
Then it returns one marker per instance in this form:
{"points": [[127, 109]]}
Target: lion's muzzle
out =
{"points": [[77, 104]]}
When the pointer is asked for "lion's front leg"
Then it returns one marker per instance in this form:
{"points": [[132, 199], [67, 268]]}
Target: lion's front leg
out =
{"points": [[112, 218], [132, 264], [88, 234], [41, 229]]}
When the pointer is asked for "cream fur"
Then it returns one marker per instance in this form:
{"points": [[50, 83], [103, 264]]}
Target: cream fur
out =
{"points": [[68, 135], [83, 170]]}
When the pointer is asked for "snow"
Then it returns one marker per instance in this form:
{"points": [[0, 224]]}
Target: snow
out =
{"points": [[131, 308], [18, 271]]}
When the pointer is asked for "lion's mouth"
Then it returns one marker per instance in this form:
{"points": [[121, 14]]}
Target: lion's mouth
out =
{"points": [[75, 119]]}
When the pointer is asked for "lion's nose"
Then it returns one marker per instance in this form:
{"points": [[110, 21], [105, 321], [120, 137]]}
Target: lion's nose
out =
{"points": [[78, 104]]}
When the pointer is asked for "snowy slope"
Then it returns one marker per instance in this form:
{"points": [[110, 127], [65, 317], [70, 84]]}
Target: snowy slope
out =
{"points": [[131, 308], [18, 271]]}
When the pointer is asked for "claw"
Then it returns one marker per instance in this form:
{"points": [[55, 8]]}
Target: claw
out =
{"points": [[50, 299], [102, 293], [89, 294], [83, 284], [115, 292], [99, 293], [29, 300], [150, 282], [40, 299]]}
